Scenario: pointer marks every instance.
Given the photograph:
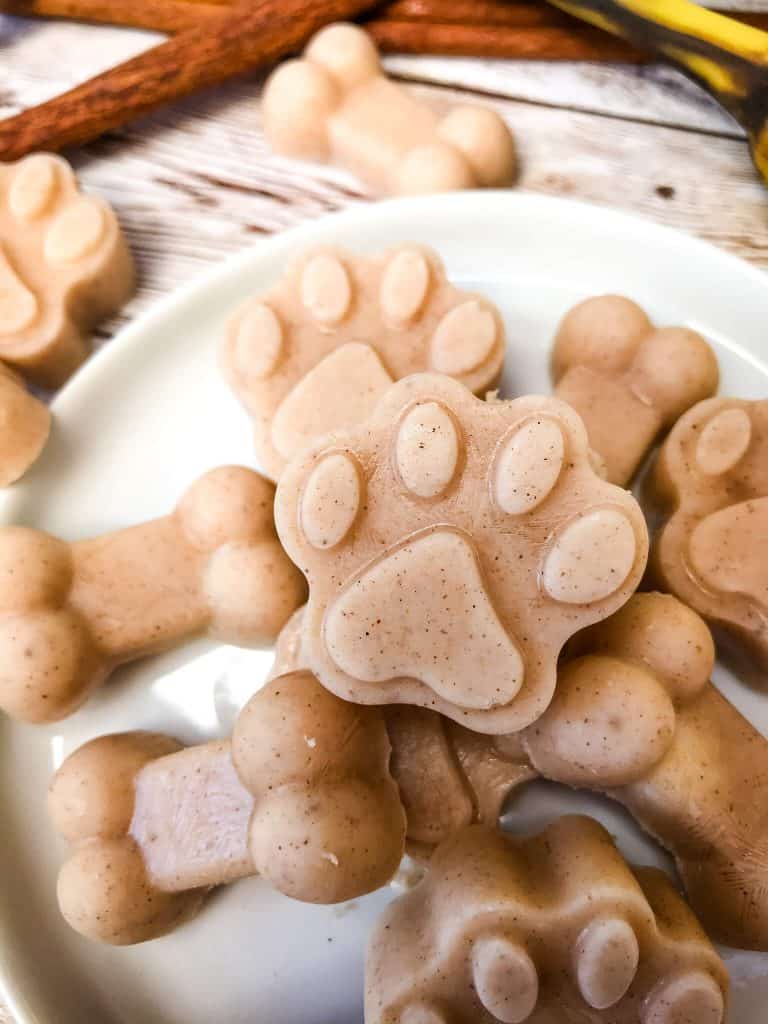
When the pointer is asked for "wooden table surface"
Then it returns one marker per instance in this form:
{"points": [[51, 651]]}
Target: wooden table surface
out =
{"points": [[197, 182]]}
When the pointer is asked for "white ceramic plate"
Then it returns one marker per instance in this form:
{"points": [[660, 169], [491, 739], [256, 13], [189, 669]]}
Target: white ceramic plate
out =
{"points": [[146, 416]]}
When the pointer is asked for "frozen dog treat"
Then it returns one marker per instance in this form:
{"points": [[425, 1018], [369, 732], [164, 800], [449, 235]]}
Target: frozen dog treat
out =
{"points": [[711, 478], [552, 928], [25, 425], [70, 613], [64, 265], [336, 104], [317, 351], [452, 547], [302, 795], [628, 380]]}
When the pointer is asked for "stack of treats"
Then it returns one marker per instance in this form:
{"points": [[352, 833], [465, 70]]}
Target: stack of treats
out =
{"points": [[452, 582]]}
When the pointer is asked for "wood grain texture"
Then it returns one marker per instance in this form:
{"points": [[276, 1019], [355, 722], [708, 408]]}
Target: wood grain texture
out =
{"points": [[196, 182], [245, 36]]}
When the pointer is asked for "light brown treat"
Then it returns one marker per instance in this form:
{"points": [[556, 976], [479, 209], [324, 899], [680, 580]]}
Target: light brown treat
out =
{"points": [[25, 424], [547, 929], [64, 265], [302, 795], [70, 613], [317, 351], [628, 380], [336, 104], [711, 479], [452, 546]]}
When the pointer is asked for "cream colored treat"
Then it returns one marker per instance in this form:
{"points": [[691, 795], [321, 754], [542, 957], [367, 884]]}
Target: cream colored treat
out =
{"points": [[70, 613], [25, 424], [336, 104], [628, 380], [64, 265], [302, 795], [317, 351], [452, 546], [711, 477], [547, 929]]}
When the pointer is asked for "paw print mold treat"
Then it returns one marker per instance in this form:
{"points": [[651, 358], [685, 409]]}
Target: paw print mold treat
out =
{"points": [[70, 613], [628, 380], [336, 104], [711, 478], [64, 265], [316, 352], [452, 546], [302, 795], [25, 424], [543, 929]]}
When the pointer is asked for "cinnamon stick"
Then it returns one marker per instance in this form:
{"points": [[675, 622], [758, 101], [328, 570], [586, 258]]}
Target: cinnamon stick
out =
{"points": [[501, 41], [169, 16], [242, 38]]}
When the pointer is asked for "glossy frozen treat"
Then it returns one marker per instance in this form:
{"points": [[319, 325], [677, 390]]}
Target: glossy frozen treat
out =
{"points": [[70, 613], [452, 547], [628, 380], [711, 482], [317, 351], [335, 104], [64, 265], [26, 423], [545, 929], [301, 795]]}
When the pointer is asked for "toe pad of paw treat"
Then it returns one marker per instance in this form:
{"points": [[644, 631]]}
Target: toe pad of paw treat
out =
{"points": [[70, 613], [544, 929], [64, 265], [711, 478], [452, 546], [302, 795], [317, 351], [26, 423], [628, 380], [336, 104]]}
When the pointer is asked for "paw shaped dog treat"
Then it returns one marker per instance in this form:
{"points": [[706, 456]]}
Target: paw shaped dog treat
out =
{"points": [[64, 265], [317, 352], [628, 380], [551, 928], [70, 613], [711, 478], [336, 104], [302, 795], [25, 424], [452, 546]]}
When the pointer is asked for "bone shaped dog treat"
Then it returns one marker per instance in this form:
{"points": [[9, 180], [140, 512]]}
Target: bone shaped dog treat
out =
{"points": [[634, 717], [70, 613], [452, 547], [546, 929], [628, 380], [316, 352], [711, 479], [64, 265], [302, 795], [337, 104], [26, 423]]}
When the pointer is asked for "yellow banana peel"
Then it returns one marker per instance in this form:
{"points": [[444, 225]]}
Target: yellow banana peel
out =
{"points": [[728, 58]]}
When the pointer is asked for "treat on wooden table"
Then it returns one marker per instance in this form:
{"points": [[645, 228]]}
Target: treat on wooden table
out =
{"points": [[316, 352], [64, 265], [336, 104], [628, 380], [70, 613], [302, 795], [550, 928], [26, 423], [452, 546], [711, 479]]}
